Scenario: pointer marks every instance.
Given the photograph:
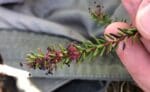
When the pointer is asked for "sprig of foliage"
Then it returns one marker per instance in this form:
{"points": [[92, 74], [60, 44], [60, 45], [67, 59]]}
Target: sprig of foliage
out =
{"points": [[79, 52]]}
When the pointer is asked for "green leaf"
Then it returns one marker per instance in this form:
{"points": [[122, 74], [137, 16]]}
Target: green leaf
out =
{"points": [[84, 55], [115, 46], [125, 31], [120, 33], [31, 56], [89, 42], [61, 47], [88, 50], [79, 47], [95, 52], [40, 55], [29, 60], [67, 60], [102, 51], [109, 49], [100, 46], [114, 35], [102, 40], [97, 40], [109, 36]]}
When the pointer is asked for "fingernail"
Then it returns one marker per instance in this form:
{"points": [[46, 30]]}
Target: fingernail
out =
{"points": [[120, 47], [124, 47], [121, 51]]}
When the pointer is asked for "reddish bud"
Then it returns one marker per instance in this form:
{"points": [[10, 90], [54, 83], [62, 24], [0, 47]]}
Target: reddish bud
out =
{"points": [[72, 48], [73, 52]]}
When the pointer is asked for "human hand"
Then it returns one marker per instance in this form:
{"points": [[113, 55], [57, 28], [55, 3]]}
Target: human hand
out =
{"points": [[136, 56]]}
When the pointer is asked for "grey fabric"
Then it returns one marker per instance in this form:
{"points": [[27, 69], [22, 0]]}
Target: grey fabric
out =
{"points": [[65, 85], [10, 1], [47, 84], [84, 86], [21, 27], [21, 43]]}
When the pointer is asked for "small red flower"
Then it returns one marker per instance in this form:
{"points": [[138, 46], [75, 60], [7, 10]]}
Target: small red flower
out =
{"points": [[73, 52], [74, 55], [58, 56]]}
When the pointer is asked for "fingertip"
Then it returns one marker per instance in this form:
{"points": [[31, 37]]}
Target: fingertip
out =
{"points": [[113, 27], [143, 20], [132, 7]]}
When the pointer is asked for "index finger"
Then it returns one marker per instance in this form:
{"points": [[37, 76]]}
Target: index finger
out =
{"points": [[132, 8]]}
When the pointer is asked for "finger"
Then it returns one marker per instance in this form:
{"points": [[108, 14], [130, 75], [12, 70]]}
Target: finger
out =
{"points": [[132, 7], [143, 20], [134, 57], [113, 28], [144, 3], [136, 60], [146, 44]]}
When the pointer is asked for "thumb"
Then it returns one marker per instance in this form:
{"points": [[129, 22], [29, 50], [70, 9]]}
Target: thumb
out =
{"points": [[132, 7], [143, 19], [134, 57]]}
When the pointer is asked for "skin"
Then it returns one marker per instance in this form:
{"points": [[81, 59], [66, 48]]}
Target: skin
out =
{"points": [[136, 56]]}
